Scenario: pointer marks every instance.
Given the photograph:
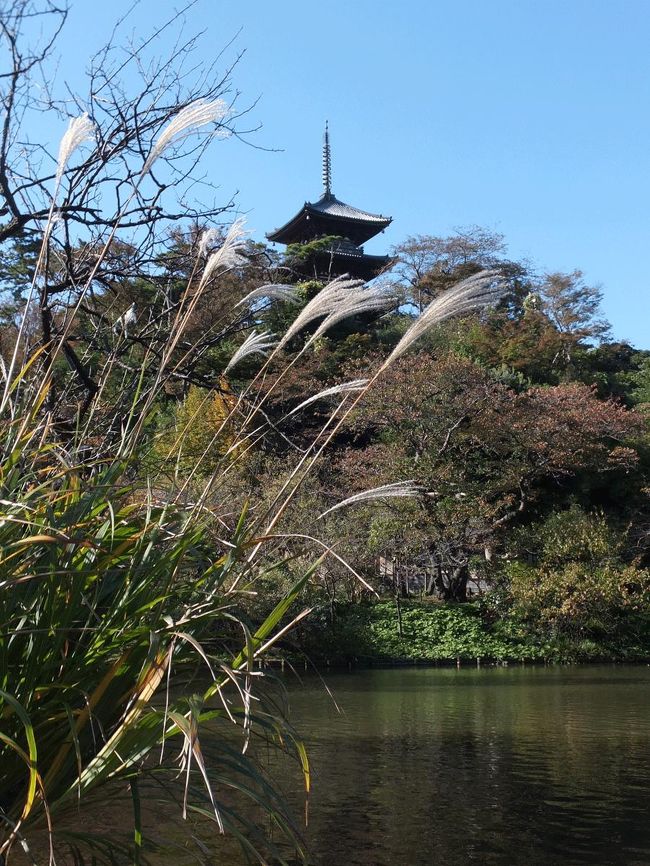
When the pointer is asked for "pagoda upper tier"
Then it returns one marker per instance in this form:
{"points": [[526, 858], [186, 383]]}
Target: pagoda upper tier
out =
{"points": [[329, 216], [347, 225]]}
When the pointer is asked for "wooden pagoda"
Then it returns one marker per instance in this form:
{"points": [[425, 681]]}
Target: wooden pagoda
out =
{"points": [[346, 226]]}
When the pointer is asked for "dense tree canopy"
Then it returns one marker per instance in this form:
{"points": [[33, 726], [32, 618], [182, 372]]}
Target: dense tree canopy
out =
{"points": [[502, 420]]}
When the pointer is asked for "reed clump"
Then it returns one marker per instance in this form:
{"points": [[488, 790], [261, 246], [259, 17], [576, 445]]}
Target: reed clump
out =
{"points": [[122, 635]]}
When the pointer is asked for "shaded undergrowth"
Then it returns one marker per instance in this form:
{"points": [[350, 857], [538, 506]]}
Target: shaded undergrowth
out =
{"points": [[425, 632]]}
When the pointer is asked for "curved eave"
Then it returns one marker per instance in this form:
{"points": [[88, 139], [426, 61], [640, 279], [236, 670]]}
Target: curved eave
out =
{"points": [[357, 265], [289, 230], [344, 254], [302, 224]]}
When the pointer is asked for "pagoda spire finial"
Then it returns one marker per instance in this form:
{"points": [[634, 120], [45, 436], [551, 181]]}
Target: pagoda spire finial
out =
{"points": [[327, 162]]}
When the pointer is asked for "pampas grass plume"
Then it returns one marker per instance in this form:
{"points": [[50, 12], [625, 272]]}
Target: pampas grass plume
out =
{"points": [[208, 239], [228, 255], [474, 293], [188, 120], [399, 489], [254, 344], [343, 388], [80, 129], [272, 291], [339, 299]]}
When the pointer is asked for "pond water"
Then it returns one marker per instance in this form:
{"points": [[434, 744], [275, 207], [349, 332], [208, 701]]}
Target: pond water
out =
{"points": [[498, 766]]}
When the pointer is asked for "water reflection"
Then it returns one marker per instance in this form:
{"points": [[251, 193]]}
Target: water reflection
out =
{"points": [[498, 766]]}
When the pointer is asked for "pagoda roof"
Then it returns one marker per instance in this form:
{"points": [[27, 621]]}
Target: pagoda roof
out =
{"points": [[329, 215], [330, 205]]}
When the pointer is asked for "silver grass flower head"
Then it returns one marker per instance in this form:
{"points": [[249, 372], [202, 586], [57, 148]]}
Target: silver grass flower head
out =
{"points": [[400, 489], [233, 244], [481, 290], [229, 253], [356, 302], [187, 121], [53, 223], [272, 291], [343, 388], [209, 238], [352, 298], [335, 297], [80, 130], [254, 344]]}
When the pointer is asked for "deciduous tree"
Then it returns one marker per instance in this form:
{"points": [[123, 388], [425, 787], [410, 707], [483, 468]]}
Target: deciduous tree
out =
{"points": [[485, 455]]}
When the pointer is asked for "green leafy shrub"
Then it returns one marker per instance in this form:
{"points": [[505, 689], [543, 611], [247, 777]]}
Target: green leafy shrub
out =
{"points": [[579, 586], [581, 597]]}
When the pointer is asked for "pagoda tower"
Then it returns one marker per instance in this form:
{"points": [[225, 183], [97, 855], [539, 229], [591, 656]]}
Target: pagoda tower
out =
{"points": [[348, 227]]}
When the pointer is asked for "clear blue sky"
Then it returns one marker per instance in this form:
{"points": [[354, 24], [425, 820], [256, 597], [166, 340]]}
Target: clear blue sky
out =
{"points": [[528, 117]]}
